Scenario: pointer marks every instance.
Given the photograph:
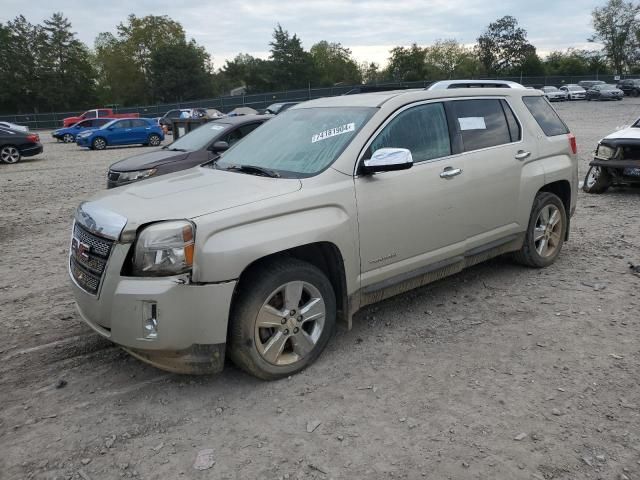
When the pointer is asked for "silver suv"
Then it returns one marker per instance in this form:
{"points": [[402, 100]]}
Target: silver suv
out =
{"points": [[333, 205]]}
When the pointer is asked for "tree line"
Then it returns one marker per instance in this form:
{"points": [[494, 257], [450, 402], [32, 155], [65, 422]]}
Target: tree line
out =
{"points": [[45, 67]]}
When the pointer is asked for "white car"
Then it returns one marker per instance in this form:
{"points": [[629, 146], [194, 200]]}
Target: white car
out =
{"points": [[575, 92], [13, 126], [553, 94]]}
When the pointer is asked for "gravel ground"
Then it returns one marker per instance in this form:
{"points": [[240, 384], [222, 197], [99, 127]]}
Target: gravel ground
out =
{"points": [[498, 372]]}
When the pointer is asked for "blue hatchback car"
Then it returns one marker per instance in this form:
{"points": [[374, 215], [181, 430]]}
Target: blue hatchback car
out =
{"points": [[122, 131], [68, 134]]}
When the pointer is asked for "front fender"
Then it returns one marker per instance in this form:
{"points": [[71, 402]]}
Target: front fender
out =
{"points": [[226, 253]]}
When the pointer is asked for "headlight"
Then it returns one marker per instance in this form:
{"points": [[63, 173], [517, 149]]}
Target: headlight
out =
{"points": [[136, 175], [605, 152], [164, 248]]}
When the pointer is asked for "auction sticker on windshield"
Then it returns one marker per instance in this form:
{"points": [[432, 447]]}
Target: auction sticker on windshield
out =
{"points": [[332, 132], [217, 127]]}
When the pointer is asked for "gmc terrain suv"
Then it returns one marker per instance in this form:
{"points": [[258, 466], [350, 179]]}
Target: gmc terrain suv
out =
{"points": [[335, 204]]}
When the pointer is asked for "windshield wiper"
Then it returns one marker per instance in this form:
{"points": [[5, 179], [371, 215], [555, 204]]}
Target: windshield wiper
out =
{"points": [[253, 170]]}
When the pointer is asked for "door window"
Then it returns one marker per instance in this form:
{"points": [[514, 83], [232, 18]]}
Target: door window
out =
{"points": [[422, 129], [138, 124], [482, 123], [122, 124]]}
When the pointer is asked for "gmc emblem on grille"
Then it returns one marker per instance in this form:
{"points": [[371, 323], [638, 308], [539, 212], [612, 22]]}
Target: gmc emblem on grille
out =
{"points": [[81, 249]]}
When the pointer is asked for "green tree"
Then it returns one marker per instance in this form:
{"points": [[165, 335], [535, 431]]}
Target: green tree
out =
{"points": [[253, 73], [451, 59], [67, 68], [22, 84], [503, 46], [180, 71], [333, 64], [370, 72], [618, 29], [292, 65], [408, 64]]}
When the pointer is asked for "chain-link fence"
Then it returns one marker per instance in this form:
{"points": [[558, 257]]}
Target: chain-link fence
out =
{"points": [[263, 100]]}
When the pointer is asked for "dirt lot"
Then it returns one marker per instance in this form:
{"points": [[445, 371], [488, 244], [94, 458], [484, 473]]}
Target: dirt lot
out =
{"points": [[500, 372]]}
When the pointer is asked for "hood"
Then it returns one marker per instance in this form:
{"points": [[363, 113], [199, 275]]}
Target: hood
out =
{"points": [[189, 194], [149, 160], [632, 133]]}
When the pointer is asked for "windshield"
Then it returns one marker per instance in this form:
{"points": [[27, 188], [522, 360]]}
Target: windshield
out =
{"points": [[199, 138], [575, 89], [108, 124], [549, 89], [274, 107], [607, 87], [300, 142]]}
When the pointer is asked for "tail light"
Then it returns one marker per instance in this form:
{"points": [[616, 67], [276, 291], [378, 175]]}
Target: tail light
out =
{"points": [[572, 143], [33, 138]]}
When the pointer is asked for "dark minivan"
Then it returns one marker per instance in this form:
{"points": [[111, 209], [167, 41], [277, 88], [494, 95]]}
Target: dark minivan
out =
{"points": [[195, 148]]}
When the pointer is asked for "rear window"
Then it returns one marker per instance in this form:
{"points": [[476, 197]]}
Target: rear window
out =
{"points": [[546, 116]]}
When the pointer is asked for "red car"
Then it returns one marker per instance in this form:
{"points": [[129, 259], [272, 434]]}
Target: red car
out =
{"points": [[98, 112]]}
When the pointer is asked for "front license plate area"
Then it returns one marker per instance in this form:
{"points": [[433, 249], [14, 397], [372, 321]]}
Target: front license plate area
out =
{"points": [[631, 172]]}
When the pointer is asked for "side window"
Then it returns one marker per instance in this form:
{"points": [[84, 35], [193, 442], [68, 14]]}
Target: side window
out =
{"points": [[482, 123], [85, 123], [422, 129], [247, 129], [514, 127], [139, 124], [232, 137], [546, 116], [123, 124], [103, 113], [91, 114]]}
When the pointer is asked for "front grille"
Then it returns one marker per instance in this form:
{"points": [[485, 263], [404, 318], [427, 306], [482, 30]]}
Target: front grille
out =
{"points": [[88, 258]]}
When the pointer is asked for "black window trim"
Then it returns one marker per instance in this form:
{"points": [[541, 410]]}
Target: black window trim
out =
{"points": [[455, 152]]}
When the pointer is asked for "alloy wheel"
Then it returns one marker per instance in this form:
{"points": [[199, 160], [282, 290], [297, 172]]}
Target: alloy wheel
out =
{"points": [[10, 155], [548, 231], [67, 138], [290, 323], [154, 140], [99, 144], [592, 177]]}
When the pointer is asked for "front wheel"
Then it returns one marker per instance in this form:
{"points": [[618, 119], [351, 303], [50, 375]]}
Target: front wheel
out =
{"points": [[282, 320], [9, 154], [68, 138], [154, 140], [597, 180], [545, 233], [99, 143]]}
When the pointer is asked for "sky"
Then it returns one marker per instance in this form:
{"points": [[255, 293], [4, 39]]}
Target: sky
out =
{"points": [[370, 28]]}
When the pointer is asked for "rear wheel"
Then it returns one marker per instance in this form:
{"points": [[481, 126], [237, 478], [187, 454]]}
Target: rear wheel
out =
{"points": [[154, 140], [634, 93], [545, 233], [597, 180], [99, 143], [9, 154], [68, 138], [282, 319]]}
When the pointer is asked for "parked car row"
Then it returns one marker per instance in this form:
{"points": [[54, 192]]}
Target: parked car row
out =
{"points": [[597, 91]]}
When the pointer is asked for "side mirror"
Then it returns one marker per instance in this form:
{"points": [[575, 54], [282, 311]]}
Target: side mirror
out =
{"points": [[219, 146], [388, 160]]}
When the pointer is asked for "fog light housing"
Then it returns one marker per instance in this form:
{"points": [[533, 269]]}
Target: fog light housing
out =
{"points": [[149, 320]]}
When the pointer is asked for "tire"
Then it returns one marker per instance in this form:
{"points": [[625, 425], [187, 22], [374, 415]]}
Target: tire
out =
{"points": [[99, 143], [596, 180], [298, 341], [634, 93], [10, 154], [154, 140], [545, 233], [68, 138]]}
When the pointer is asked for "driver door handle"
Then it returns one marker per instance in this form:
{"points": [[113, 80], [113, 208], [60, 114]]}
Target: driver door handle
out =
{"points": [[521, 155], [450, 172]]}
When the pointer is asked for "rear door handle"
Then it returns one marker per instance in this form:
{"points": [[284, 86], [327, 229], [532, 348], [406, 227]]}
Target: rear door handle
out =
{"points": [[521, 155], [450, 172]]}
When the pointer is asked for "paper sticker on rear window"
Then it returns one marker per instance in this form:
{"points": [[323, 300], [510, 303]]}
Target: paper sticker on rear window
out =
{"points": [[217, 127], [332, 132], [472, 123]]}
